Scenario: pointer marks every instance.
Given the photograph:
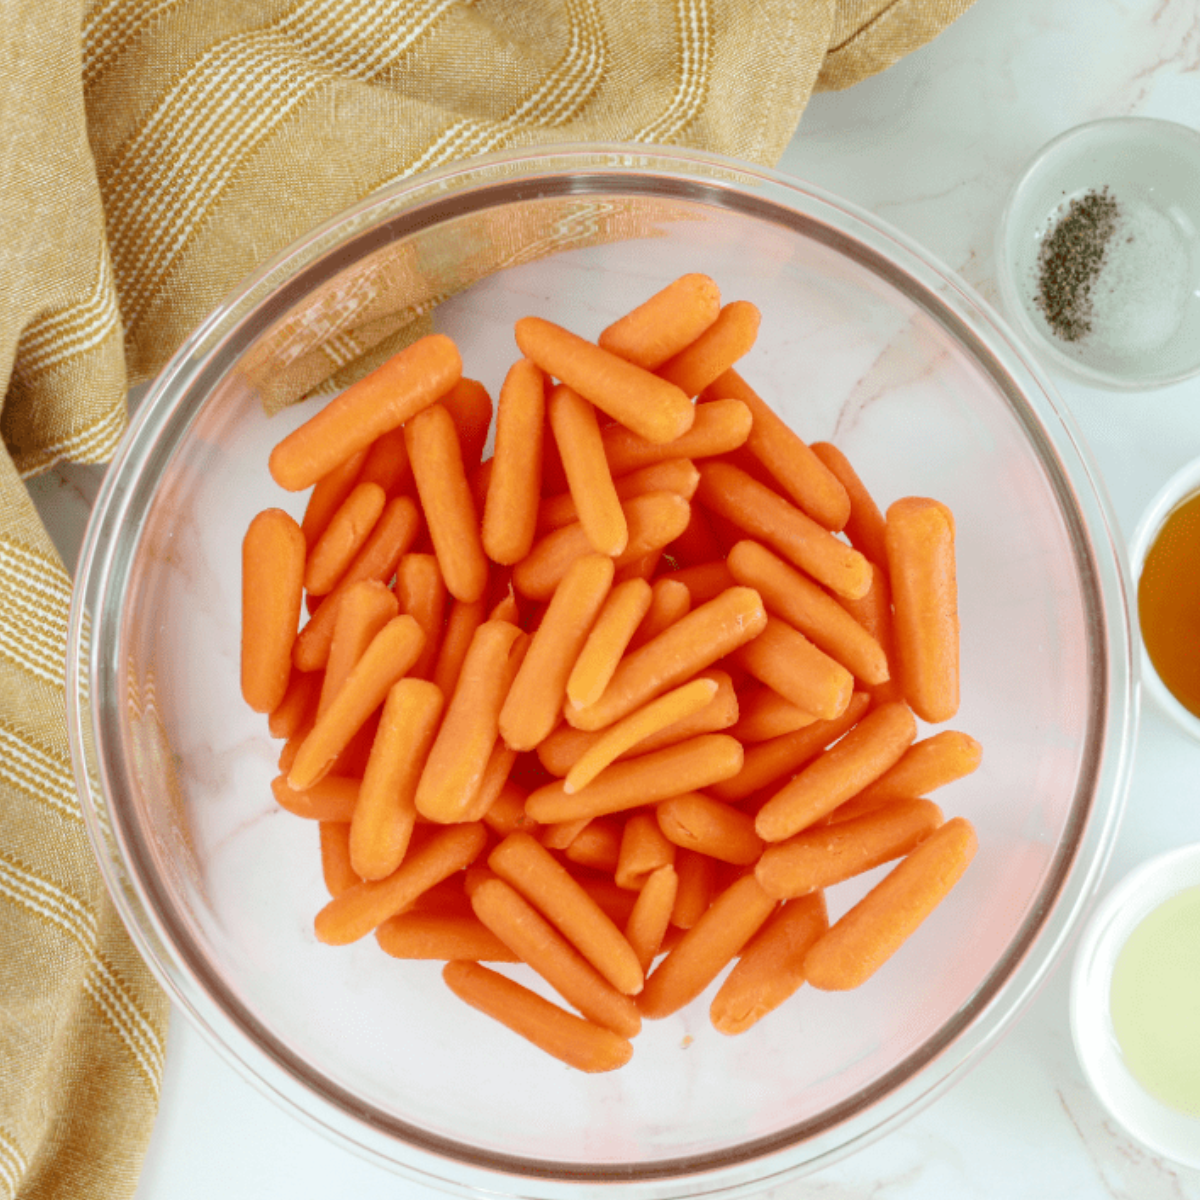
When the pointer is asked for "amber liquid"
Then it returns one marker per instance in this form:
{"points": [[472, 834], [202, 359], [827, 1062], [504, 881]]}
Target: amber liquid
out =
{"points": [[1169, 603]]}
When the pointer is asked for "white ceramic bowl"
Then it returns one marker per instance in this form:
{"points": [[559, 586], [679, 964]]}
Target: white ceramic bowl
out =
{"points": [[1161, 1128]]}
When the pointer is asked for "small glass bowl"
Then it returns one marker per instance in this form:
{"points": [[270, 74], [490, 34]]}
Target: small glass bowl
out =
{"points": [[1184, 484], [1138, 326], [1164, 1130]]}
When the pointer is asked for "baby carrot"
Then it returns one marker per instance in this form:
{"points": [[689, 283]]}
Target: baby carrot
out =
{"points": [[535, 699], [718, 427], [391, 653], [670, 475], [437, 462], [697, 884], [394, 533], [771, 966], [925, 765], [421, 591], [454, 767], [597, 845], [764, 714], [470, 408], [694, 642], [704, 580], [272, 590], [806, 607], [730, 337], [444, 937], [344, 536], [663, 325], [768, 762], [548, 886], [698, 543], [514, 487], [362, 612], [705, 949], [861, 941], [864, 526], [819, 858], [386, 463], [685, 766], [386, 398], [536, 942], [298, 705], [920, 550], [507, 813], [767, 517], [365, 906], [571, 1039], [328, 495], [697, 822], [616, 624], [336, 870], [460, 628], [790, 461], [385, 813], [872, 746], [560, 834], [669, 600], [636, 398], [647, 924], [623, 735], [642, 851], [577, 435], [330, 799], [786, 661], [491, 783], [874, 613]]}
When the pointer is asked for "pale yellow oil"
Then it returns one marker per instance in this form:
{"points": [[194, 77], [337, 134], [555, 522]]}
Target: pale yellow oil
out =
{"points": [[1155, 1002]]}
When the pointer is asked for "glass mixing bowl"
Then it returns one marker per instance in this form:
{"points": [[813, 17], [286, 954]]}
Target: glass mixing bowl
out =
{"points": [[865, 342]]}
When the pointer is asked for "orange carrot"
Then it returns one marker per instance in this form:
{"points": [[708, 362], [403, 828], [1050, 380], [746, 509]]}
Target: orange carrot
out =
{"points": [[507, 813], [421, 591], [650, 406], [299, 704], [685, 766], [764, 714], [806, 607], [547, 885], [864, 526], [330, 799], [461, 624], [651, 916], [819, 858], [394, 533], [491, 783], [874, 613], [361, 909], [272, 583], [344, 536], [771, 966], [328, 495], [596, 846], [536, 697], [792, 463], [514, 485], [454, 767], [560, 834], [781, 757], [869, 749], [670, 475], [470, 408], [642, 851], [437, 463], [571, 1039], [786, 661], [669, 601], [861, 941], [444, 937], [336, 870], [697, 822], [362, 612], [924, 766], [696, 887], [381, 401], [697, 543], [709, 946], [385, 813], [615, 625], [693, 643], [391, 653], [386, 463], [767, 517], [730, 337], [704, 580], [717, 427], [623, 735], [920, 549], [663, 325]]}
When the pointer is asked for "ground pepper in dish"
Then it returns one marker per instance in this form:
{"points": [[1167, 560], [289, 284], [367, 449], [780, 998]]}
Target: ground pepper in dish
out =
{"points": [[1070, 259]]}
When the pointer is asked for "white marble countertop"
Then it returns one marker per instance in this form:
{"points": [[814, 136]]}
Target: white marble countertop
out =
{"points": [[931, 146]]}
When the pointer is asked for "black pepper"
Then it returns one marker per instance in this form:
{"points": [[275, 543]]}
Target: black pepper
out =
{"points": [[1070, 259]]}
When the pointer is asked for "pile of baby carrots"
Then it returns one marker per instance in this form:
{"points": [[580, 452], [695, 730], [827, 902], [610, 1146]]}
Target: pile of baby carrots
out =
{"points": [[619, 702]]}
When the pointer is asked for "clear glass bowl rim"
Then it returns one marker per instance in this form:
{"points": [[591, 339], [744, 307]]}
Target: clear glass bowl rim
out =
{"points": [[164, 415]]}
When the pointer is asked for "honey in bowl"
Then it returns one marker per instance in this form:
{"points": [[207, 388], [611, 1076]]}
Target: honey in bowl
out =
{"points": [[1169, 603]]}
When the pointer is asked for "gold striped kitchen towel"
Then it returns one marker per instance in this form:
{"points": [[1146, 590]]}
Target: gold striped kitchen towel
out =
{"points": [[153, 153]]}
